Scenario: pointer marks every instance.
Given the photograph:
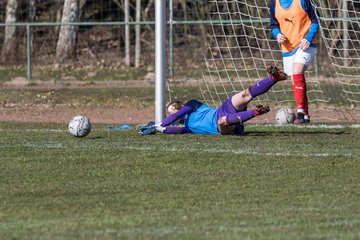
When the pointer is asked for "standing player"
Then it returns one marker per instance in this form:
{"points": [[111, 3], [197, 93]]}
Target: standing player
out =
{"points": [[294, 24], [227, 119]]}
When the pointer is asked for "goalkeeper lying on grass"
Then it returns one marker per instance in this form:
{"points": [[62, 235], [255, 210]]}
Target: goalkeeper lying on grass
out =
{"points": [[227, 119]]}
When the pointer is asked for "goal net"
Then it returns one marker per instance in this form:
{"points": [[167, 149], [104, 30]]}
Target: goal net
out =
{"points": [[219, 47]]}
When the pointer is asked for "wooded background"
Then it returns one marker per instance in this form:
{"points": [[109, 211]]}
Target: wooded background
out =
{"points": [[99, 45], [102, 45]]}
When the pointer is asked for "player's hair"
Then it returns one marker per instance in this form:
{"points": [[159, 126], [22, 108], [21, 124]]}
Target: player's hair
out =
{"points": [[176, 104]]}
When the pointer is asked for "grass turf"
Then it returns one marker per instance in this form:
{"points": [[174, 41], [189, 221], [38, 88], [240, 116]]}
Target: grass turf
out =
{"points": [[272, 183]]}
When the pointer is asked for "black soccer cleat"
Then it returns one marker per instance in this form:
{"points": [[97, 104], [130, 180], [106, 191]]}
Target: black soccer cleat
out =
{"points": [[276, 73], [299, 118], [260, 110]]}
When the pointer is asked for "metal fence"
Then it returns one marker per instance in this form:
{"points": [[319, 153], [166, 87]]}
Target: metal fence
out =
{"points": [[100, 44]]}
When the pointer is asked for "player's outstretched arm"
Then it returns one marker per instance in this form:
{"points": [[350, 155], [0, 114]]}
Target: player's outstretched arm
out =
{"points": [[146, 129], [175, 130], [188, 108]]}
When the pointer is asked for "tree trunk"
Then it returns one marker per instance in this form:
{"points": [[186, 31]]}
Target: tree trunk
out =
{"points": [[59, 6], [8, 49], [66, 46], [127, 34], [32, 11], [31, 18], [81, 9], [138, 35]]}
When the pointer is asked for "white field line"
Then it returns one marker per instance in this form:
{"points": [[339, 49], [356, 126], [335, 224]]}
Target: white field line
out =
{"points": [[243, 226], [322, 126], [46, 145], [220, 228], [33, 130], [195, 150], [237, 152]]}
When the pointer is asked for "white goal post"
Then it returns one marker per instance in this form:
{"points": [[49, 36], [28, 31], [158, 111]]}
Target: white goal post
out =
{"points": [[160, 59]]}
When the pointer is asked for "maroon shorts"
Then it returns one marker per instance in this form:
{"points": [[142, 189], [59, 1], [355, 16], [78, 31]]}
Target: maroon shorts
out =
{"points": [[228, 108], [225, 109]]}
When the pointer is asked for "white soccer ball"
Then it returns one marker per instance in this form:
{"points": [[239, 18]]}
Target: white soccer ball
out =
{"points": [[79, 126], [285, 116]]}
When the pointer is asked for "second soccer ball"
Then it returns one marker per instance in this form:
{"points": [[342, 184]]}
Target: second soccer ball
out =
{"points": [[285, 116]]}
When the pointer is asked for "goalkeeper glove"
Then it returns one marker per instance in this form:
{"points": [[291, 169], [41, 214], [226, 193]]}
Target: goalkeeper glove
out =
{"points": [[147, 130]]}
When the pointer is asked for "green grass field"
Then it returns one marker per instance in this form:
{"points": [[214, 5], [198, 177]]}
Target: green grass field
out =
{"points": [[272, 183]]}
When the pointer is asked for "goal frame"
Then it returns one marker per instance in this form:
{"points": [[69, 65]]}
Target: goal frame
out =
{"points": [[160, 59]]}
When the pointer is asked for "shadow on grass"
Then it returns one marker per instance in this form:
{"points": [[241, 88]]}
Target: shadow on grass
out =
{"points": [[95, 138], [289, 133]]}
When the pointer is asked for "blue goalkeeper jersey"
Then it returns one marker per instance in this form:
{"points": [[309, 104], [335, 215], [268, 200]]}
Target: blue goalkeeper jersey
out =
{"points": [[202, 121]]}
